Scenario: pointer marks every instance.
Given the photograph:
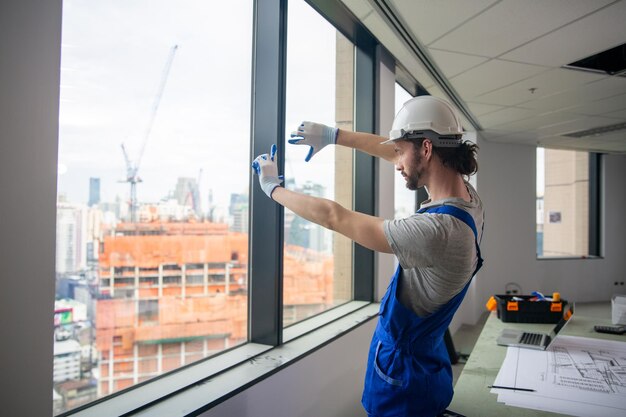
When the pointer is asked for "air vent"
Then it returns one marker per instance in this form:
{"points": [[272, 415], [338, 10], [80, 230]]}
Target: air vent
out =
{"points": [[597, 131], [611, 62]]}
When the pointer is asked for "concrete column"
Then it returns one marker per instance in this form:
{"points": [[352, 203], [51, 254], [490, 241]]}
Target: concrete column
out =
{"points": [[160, 359], [111, 369], [135, 363], [183, 281], [227, 278], [160, 280], [112, 281]]}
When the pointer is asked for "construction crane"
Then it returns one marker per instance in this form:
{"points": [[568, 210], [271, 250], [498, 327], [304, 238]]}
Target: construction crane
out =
{"points": [[132, 168]]}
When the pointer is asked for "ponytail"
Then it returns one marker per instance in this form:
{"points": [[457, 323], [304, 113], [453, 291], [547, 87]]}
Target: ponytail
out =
{"points": [[462, 158]]}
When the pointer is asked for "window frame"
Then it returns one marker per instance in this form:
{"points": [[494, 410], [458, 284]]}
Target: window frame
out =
{"points": [[595, 212], [266, 233]]}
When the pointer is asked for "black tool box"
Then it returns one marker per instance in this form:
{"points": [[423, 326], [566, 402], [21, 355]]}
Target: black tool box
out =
{"points": [[520, 309]]}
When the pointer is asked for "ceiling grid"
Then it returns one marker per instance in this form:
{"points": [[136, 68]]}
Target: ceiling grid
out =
{"points": [[501, 62]]}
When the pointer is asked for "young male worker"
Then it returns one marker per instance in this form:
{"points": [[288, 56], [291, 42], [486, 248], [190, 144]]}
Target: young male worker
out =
{"points": [[408, 371]]}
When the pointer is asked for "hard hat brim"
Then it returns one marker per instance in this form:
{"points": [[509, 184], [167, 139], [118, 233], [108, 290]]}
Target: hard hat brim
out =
{"points": [[442, 141]]}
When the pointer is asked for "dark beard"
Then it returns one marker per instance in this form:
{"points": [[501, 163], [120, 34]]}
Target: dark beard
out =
{"points": [[411, 182]]}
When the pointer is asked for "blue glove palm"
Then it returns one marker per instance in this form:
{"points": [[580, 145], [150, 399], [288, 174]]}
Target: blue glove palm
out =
{"points": [[316, 135], [267, 170]]}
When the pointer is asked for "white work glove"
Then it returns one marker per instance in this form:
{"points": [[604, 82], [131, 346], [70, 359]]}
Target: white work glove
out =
{"points": [[265, 166], [316, 135]]}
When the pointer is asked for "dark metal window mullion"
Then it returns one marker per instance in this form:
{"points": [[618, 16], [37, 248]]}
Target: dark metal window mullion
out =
{"points": [[265, 266], [364, 165], [594, 205]]}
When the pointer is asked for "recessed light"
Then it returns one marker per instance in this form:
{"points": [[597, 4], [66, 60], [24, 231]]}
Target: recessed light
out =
{"points": [[597, 131]]}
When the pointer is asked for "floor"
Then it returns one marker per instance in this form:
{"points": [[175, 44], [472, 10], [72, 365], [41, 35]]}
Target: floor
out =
{"points": [[464, 340]]}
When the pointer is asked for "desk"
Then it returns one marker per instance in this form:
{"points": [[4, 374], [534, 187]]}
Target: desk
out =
{"points": [[471, 395]]}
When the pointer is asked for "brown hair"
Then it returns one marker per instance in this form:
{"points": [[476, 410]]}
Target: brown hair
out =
{"points": [[461, 158]]}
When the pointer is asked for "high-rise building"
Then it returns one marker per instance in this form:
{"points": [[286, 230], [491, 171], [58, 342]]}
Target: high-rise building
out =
{"points": [[71, 249], [172, 293], [565, 229], [94, 191], [66, 360], [238, 211], [188, 194]]}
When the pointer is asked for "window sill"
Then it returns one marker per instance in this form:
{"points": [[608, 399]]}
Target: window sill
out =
{"points": [[199, 387], [566, 258]]}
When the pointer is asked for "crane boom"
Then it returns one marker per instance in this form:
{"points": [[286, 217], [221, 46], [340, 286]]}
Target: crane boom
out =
{"points": [[156, 103], [132, 168]]}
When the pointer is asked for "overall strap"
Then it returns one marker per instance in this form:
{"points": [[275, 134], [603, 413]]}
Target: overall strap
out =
{"points": [[465, 217]]}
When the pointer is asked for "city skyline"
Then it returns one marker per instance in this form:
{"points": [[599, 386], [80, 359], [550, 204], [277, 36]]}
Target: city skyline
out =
{"points": [[108, 87]]}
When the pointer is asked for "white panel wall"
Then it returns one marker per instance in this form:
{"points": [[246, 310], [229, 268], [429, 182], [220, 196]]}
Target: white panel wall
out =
{"points": [[328, 382], [506, 184], [30, 39]]}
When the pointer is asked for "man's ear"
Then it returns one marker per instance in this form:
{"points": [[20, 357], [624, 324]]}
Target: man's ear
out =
{"points": [[427, 149]]}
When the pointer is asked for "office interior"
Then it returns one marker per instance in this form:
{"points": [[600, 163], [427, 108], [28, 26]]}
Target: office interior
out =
{"points": [[456, 50]]}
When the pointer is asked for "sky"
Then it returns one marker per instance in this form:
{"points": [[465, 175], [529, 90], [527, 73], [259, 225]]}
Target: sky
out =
{"points": [[113, 58]]}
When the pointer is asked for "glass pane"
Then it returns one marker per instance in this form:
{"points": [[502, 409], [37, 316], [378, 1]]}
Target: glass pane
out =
{"points": [[562, 203], [404, 199], [320, 73], [152, 238]]}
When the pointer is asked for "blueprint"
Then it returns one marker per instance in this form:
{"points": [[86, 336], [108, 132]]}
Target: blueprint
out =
{"points": [[576, 376], [588, 369]]}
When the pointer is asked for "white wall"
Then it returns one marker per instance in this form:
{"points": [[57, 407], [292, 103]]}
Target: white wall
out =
{"points": [[30, 39], [327, 382], [506, 184]]}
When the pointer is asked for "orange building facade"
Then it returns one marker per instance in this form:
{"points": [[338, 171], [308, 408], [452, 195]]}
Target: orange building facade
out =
{"points": [[170, 294]]}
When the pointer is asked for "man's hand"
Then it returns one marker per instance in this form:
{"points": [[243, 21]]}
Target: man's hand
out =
{"points": [[265, 166], [316, 135]]}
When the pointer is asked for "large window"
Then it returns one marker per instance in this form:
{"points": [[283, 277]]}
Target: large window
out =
{"points": [[567, 204], [152, 236], [404, 199], [320, 79]]}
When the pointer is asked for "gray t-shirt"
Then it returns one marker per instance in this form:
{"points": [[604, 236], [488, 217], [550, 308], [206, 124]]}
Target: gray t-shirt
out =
{"points": [[437, 253]]}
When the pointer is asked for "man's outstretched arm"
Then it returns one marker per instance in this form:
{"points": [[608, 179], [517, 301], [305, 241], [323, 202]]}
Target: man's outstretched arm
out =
{"points": [[318, 136], [364, 229], [368, 143]]}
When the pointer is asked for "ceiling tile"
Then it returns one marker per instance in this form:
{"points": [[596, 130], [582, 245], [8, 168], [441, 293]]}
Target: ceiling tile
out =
{"points": [[524, 138], [490, 76], [428, 20], [398, 49], [536, 122], [595, 33], [598, 107], [506, 115], [597, 90], [617, 114], [542, 85], [512, 23], [575, 125], [478, 109], [453, 63]]}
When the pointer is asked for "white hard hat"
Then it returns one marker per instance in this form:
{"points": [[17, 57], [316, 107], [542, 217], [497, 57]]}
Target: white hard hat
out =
{"points": [[427, 117]]}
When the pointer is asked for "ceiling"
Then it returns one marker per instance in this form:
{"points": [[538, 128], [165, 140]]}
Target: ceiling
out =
{"points": [[501, 62]]}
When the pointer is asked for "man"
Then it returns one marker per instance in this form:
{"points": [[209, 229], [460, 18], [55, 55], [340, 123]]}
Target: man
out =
{"points": [[408, 371]]}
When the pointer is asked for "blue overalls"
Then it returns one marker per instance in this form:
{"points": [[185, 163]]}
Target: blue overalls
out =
{"points": [[408, 368]]}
